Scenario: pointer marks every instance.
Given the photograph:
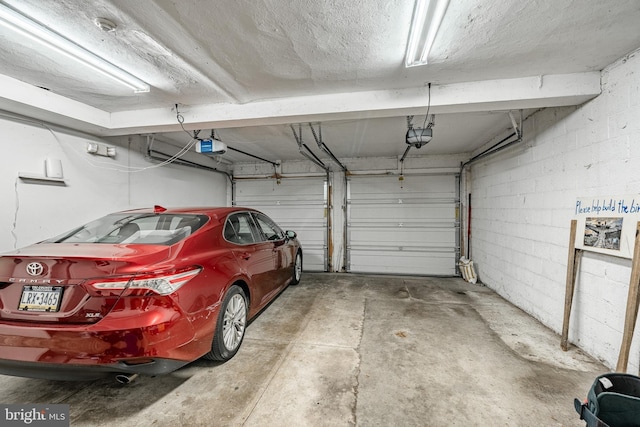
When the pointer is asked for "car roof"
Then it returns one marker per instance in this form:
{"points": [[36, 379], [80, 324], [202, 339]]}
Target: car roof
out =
{"points": [[211, 211]]}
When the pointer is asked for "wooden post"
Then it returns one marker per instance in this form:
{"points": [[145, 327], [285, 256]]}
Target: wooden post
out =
{"points": [[632, 306], [572, 271]]}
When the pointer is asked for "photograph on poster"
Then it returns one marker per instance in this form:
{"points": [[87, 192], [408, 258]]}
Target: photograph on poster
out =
{"points": [[607, 224], [603, 233]]}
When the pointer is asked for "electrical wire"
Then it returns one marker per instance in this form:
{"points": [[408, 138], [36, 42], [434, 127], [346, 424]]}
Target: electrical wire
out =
{"points": [[426, 117], [66, 147], [127, 168], [171, 159], [180, 119], [106, 165]]}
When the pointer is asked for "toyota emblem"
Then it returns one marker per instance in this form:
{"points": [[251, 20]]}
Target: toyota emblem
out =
{"points": [[35, 269]]}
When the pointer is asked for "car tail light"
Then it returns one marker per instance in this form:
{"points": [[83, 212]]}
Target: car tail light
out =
{"points": [[163, 283]]}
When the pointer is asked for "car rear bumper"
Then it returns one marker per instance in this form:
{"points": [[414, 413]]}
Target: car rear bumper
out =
{"points": [[68, 372], [152, 342]]}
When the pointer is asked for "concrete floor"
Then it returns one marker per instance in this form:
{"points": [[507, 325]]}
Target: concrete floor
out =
{"points": [[343, 350]]}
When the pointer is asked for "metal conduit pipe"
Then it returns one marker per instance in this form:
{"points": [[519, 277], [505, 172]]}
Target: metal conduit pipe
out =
{"points": [[517, 132], [306, 151], [312, 159], [251, 155], [326, 149], [311, 156], [188, 163], [329, 263], [495, 148], [323, 146], [406, 151], [156, 155]]}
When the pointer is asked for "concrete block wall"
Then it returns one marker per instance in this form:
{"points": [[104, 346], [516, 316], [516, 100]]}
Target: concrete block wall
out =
{"points": [[32, 210], [523, 200]]}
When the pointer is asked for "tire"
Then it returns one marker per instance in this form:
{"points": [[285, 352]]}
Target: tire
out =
{"points": [[231, 325], [297, 269]]}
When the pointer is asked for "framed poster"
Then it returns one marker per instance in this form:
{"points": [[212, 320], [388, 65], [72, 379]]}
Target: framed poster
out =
{"points": [[607, 224]]}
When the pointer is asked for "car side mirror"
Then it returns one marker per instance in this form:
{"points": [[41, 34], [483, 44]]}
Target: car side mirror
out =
{"points": [[291, 234]]}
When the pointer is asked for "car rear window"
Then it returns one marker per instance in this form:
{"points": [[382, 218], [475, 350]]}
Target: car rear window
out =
{"points": [[143, 229]]}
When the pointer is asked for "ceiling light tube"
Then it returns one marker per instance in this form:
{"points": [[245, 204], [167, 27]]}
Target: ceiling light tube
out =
{"points": [[25, 26], [427, 16]]}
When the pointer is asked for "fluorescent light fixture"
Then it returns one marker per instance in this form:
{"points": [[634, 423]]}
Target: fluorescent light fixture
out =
{"points": [[25, 26], [427, 16]]}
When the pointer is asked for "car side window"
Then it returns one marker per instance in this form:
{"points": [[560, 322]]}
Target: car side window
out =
{"points": [[268, 228], [237, 229]]}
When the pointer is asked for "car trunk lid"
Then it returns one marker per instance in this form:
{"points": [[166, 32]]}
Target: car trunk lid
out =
{"points": [[48, 282]]}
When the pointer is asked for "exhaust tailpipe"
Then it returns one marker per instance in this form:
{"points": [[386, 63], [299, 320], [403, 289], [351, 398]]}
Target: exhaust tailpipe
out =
{"points": [[126, 378]]}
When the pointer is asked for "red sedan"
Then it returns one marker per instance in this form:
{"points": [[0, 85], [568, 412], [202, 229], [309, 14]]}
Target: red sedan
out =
{"points": [[141, 292]]}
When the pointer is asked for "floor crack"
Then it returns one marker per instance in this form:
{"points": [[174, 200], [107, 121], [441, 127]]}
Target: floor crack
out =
{"points": [[356, 386], [406, 288]]}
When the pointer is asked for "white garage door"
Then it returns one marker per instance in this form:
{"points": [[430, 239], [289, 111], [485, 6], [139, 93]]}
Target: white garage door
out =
{"points": [[403, 227], [295, 204]]}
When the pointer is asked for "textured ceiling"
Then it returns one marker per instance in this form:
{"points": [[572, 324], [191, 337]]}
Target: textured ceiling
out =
{"points": [[234, 64]]}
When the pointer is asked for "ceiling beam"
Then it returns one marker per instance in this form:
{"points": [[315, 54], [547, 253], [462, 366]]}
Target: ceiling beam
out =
{"points": [[490, 95]]}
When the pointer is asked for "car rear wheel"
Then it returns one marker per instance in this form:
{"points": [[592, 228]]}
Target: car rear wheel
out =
{"points": [[297, 269], [232, 322]]}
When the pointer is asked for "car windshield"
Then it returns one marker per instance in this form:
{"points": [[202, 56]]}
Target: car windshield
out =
{"points": [[123, 228]]}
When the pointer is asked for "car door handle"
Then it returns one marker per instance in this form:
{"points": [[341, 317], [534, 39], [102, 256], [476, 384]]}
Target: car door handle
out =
{"points": [[245, 255]]}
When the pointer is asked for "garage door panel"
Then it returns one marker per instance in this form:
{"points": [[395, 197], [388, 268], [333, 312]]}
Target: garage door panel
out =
{"points": [[287, 187], [294, 215], [295, 204], [406, 262], [396, 213], [404, 238], [408, 228], [424, 186]]}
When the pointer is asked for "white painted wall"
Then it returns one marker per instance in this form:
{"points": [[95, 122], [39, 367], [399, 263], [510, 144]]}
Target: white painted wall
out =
{"points": [[523, 200], [33, 211]]}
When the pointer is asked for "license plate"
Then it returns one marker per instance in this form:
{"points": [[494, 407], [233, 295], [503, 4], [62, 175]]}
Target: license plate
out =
{"points": [[40, 298]]}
